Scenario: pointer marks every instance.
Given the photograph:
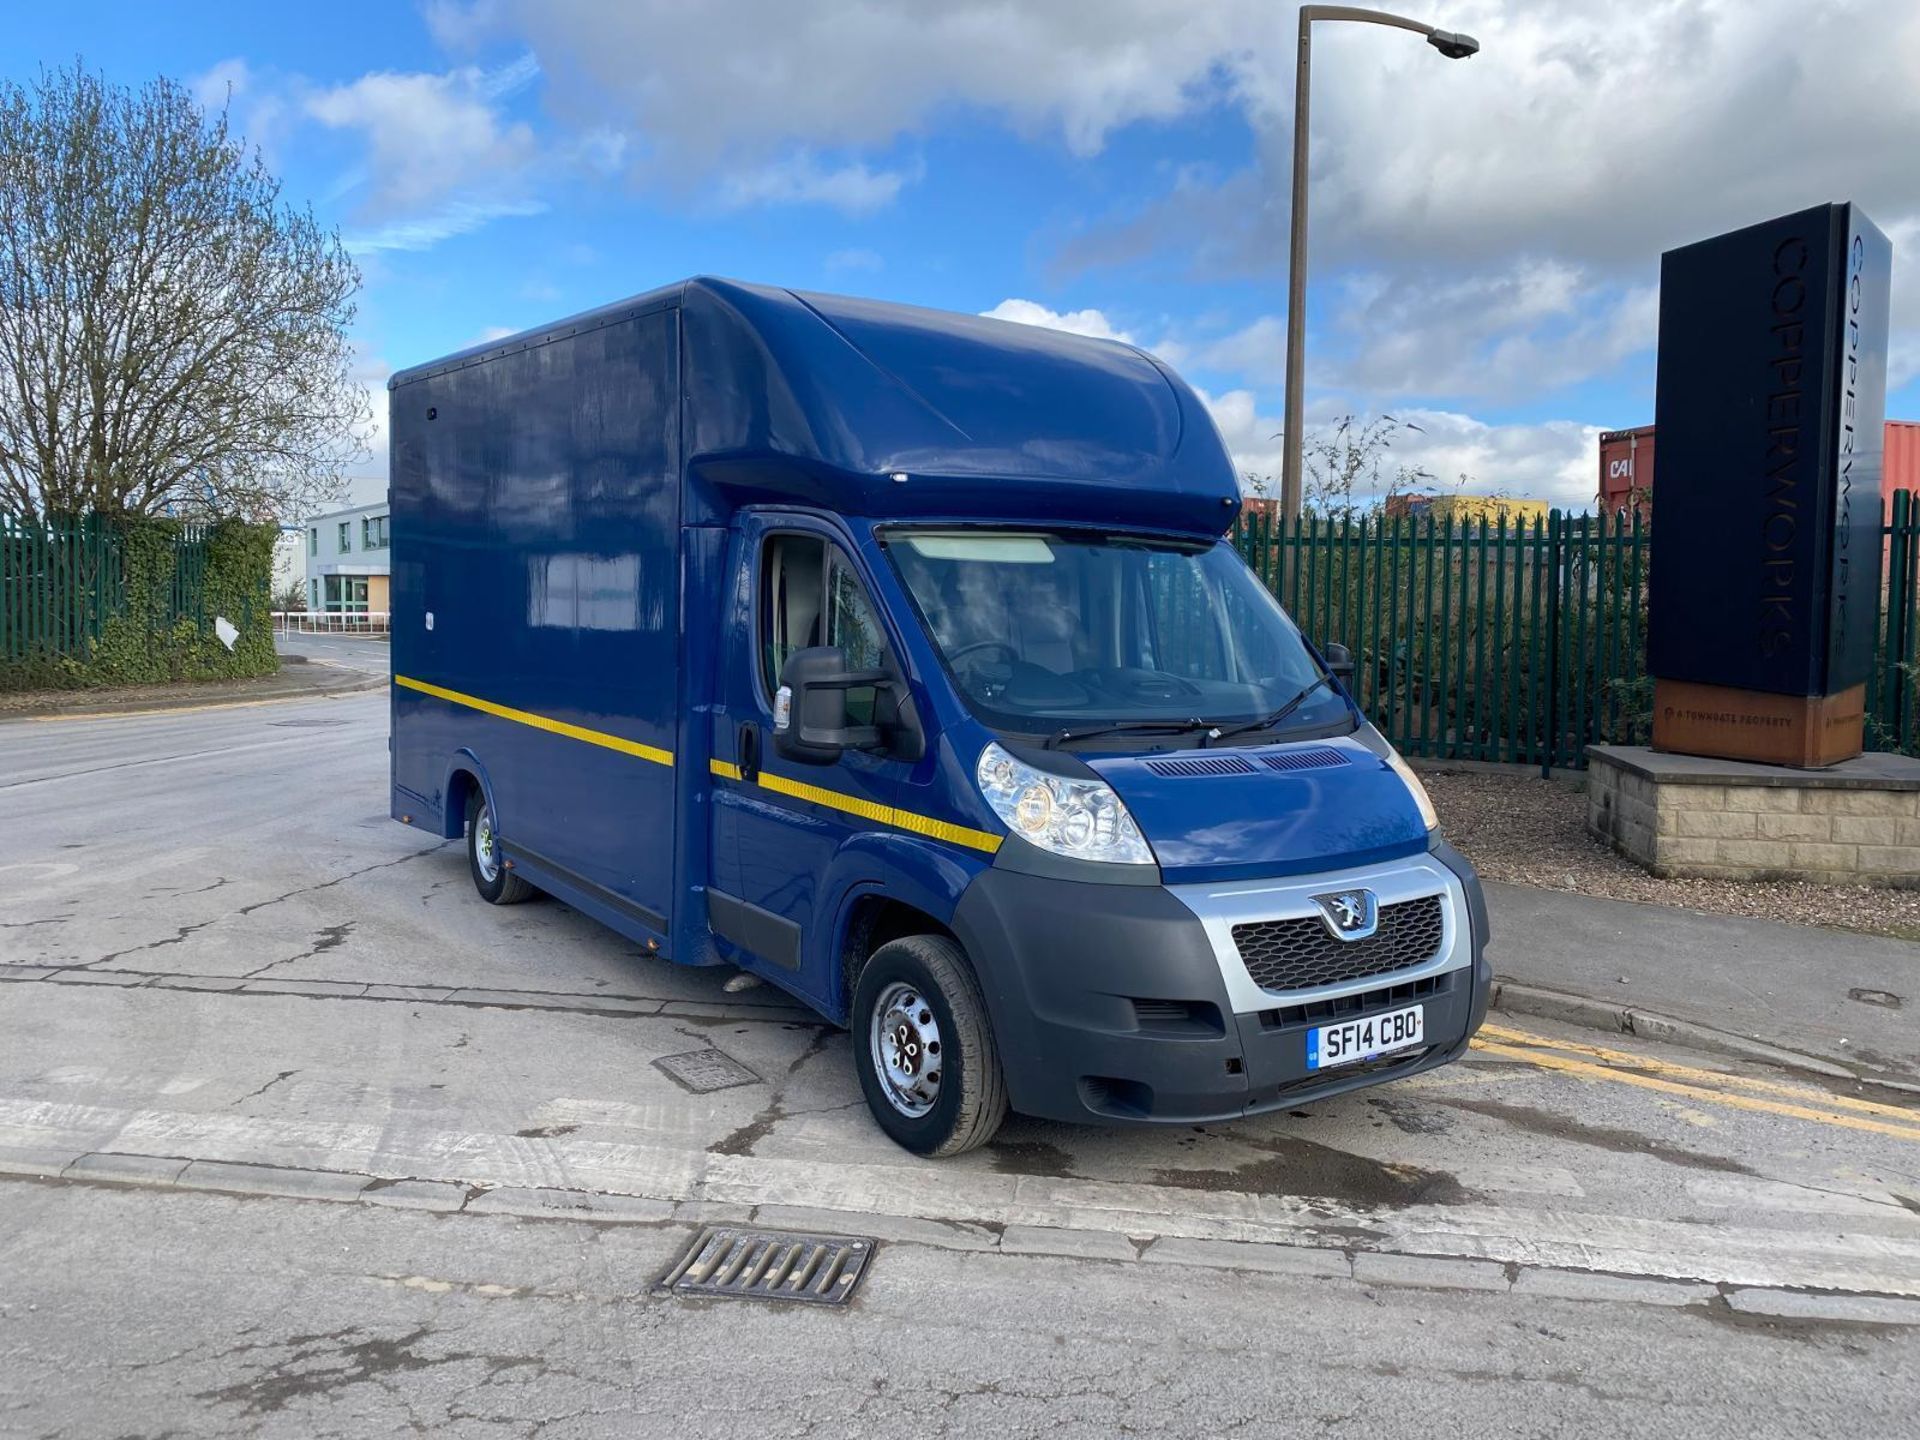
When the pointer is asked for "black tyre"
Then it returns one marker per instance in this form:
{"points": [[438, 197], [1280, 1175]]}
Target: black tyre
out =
{"points": [[924, 1047], [496, 883]]}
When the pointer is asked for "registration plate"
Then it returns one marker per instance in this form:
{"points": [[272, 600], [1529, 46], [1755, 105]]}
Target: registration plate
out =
{"points": [[1352, 1040]]}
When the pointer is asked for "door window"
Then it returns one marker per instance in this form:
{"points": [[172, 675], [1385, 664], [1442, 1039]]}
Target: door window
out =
{"points": [[810, 595]]}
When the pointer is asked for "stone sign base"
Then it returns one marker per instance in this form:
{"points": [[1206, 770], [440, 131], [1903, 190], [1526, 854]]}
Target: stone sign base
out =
{"points": [[1855, 823], [1809, 731]]}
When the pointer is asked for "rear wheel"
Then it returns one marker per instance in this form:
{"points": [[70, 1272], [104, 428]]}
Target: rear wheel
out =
{"points": [[924, 1047], [496, 883]]}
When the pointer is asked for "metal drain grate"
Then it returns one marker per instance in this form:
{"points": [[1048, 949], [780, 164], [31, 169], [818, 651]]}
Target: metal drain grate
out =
{"points": [[727, 1262], [704, 1071]]}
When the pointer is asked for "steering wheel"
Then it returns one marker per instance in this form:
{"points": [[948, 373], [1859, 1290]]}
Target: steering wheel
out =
{"points": [[955, 656]]}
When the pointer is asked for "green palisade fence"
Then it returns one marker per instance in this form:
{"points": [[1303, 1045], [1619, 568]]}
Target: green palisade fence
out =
{"points": [[62, 580], [1524, 642]]}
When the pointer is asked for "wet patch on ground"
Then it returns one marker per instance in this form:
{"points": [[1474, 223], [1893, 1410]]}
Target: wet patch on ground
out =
{"points": [[1301, 1167], [1410, 1117], [1032, 1157], [1600, 1137]]}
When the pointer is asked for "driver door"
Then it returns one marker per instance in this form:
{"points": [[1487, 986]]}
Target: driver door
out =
{"points": [[778, 824]]}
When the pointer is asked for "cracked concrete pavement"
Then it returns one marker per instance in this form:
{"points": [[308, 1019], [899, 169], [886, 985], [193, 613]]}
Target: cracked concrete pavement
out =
{"points": [[347, 1152]]}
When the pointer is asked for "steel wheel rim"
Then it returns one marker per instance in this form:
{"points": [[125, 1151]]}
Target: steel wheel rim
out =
{"points": [[485, 856], [904, 1039]]}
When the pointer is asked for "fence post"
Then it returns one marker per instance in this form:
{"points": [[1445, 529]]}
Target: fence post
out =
{"points": [[1550, 750], [1900, 601]]}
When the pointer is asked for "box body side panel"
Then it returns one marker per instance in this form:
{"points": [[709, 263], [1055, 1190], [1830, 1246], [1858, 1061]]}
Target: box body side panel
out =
{"points": [[536, 591]]}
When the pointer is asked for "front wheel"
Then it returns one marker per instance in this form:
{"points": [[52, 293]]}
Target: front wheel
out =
{"points": [[496, 883], [924, 1047]]}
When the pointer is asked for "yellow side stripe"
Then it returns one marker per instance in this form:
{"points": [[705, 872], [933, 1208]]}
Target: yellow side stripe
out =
{"points": [[866, 809], [541, 722]]}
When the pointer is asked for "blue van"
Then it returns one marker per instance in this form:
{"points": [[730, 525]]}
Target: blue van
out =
{"points": [[897, 657]]}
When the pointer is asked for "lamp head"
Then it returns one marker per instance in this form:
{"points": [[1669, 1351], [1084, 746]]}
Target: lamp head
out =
{"points": [[1453, 45]]}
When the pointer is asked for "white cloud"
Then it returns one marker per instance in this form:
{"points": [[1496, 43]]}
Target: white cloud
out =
{"points": [[1077, 322], [423, 232], [1257, 351], [800, 178], [1577, 132], [434, 138], [254, 111], [1555, 460], [1552, 460], [368, 483], [1530, 328], [1578, 144], [840, 73], [856, 258]]}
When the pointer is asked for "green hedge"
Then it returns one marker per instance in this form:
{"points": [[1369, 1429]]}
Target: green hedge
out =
{"points": [[142, 610]]}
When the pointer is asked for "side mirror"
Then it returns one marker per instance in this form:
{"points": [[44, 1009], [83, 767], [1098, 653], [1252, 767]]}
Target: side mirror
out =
{"points": [[1340, 662], [810, 708]]}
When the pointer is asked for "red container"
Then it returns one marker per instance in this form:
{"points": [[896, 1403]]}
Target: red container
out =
{"points": [[1626, 472], [1626, 466], [1902, 466]]}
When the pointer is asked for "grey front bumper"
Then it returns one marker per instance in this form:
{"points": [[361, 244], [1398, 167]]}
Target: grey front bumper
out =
{"points": [[1116, 1003]]}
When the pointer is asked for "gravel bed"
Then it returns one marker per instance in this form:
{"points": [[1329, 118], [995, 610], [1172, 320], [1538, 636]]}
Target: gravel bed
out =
{"points": [[1528, 831]]}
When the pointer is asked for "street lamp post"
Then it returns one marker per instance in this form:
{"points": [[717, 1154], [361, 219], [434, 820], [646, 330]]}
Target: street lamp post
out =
{"points": [[1449, 44]]}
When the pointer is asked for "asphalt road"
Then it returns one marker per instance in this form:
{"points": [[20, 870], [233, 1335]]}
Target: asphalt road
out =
{"points": [[364, 1156], [365, 653]]}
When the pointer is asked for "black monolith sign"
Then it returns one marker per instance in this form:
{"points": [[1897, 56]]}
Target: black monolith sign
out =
{"points": [[1765, 570]]}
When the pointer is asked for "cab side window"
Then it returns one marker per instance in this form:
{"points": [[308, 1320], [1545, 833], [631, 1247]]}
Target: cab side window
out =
{"points": [[810, 595], [791, 595]]}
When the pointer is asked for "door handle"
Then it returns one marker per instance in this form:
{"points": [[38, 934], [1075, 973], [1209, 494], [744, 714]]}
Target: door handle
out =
{"points": [[749, 751]]}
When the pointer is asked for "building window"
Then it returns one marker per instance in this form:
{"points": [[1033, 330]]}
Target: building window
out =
{"points": [[313, 541], [346, 537], [346, 594], [373, 532]]}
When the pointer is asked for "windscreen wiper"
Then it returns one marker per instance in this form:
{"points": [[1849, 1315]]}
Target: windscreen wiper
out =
{"points": [[1267, 722], [1126, 727]]}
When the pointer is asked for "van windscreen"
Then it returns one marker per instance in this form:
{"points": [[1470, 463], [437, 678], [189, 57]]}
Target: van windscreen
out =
{"points": [[1045, 630]]}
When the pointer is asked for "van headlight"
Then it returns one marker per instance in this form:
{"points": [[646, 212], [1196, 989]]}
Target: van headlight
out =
{"points": [[1428, 815], [1081, 819]]}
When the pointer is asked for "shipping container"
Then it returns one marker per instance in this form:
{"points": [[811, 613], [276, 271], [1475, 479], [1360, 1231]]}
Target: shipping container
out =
{"points": [[1626, 465], [1902, 470], [1626, 471]]}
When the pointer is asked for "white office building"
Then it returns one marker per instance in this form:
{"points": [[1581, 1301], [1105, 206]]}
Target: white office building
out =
{"points": [[349, 560]]}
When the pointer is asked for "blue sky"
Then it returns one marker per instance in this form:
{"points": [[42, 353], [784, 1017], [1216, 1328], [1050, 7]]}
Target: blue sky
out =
{"points": [[1486, 233]]}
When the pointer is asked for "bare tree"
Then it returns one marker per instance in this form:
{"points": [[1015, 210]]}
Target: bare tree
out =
{"points": [[172, 335]]}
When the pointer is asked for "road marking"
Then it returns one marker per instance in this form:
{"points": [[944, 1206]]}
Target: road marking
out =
{"points": [[218, 753], [1710, 1078], [1589, 1070], [337, 693]]}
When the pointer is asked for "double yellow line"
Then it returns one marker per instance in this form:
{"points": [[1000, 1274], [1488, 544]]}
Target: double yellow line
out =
{"points": [[1708, 1087]]}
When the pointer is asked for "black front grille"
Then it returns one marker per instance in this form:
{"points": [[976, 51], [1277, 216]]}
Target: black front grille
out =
{"points": [[1322, 1012], [1301, 953]]}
